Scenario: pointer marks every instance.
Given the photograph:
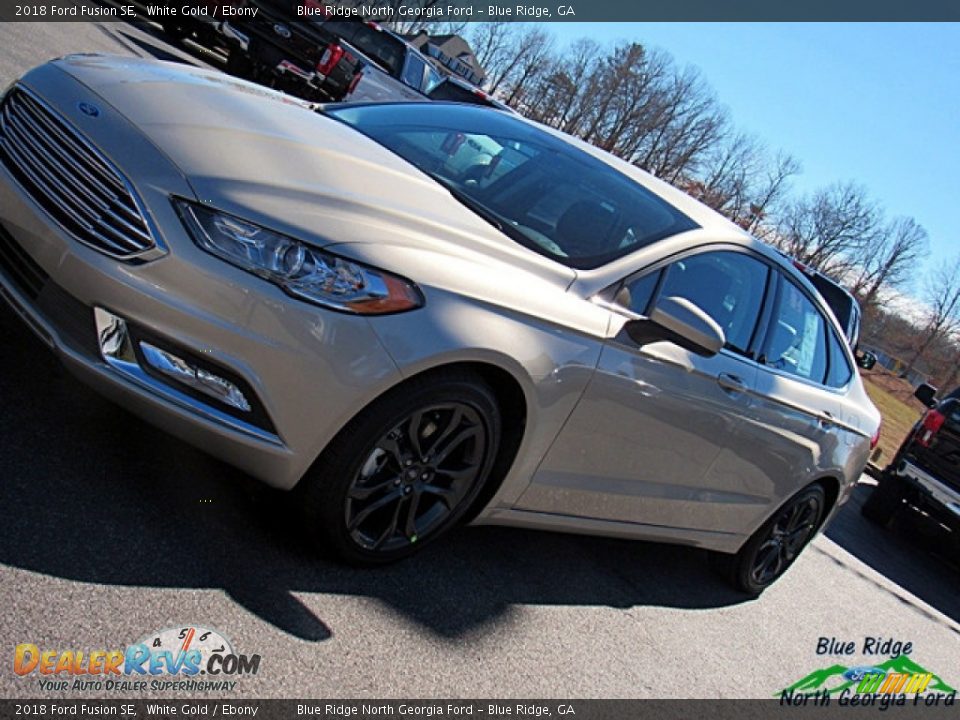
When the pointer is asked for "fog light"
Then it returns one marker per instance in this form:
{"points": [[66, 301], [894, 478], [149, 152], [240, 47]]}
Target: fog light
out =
{"points": [[192, 376]]}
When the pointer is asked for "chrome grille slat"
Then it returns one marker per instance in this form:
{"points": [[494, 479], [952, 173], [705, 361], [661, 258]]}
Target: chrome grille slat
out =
{"points": [[70, 142], [70, 179], [85, 216], [121, 237], [128, 226], [112, 188], [39, 149], [11, 115], [27, 167]]}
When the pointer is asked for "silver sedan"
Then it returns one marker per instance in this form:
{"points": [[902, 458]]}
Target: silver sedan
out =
{"points": [[418, 315]]}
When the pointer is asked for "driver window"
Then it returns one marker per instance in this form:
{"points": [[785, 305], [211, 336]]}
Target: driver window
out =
{"points": [[728, 286]]}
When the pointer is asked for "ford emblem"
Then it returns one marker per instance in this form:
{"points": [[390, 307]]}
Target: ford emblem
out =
{"points": [[281, 30], [88, 109]]}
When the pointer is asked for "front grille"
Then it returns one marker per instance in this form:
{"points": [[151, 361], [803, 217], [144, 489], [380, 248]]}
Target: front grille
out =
{"points": [[69, 178]]}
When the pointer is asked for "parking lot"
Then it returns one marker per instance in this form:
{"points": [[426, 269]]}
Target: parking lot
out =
{"points": [[113, 530]]}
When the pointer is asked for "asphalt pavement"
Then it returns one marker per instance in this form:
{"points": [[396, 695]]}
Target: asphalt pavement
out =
{"points": [[110, 529]]}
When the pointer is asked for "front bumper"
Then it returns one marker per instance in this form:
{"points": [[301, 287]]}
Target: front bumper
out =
{"points": [[310, 369]]}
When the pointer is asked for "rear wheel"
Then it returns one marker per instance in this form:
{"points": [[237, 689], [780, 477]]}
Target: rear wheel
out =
{"points": [[777, 544], [405, 471], [884, 501]]}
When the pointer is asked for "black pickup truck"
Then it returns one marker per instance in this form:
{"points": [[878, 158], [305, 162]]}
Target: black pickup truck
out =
{"points": [[301, 57], [925, 473]]}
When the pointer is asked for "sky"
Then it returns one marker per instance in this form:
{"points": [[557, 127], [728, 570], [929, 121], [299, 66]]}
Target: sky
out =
{"points": [[875, 103]]}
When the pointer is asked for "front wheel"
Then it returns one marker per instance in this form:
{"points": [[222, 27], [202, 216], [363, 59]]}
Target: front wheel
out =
{"points": [[405, 471], [777, 544]]}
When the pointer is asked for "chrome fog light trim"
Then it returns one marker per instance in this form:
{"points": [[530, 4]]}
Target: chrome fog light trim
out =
{"points": [[199, 379], [117, 349], [114, 339]]}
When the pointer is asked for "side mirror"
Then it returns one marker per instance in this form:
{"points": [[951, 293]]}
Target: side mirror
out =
{"points": [[927, 394], [679, 321], [866, 360]]}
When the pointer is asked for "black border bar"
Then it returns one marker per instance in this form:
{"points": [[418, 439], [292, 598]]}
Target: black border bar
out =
{"points": [[519, 10]]}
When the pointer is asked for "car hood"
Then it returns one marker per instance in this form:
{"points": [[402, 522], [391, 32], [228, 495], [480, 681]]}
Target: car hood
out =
{"points": [[272, 159]]}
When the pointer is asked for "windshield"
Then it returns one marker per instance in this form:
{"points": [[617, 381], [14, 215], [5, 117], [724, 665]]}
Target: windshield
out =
{"points": [[540, 190]]}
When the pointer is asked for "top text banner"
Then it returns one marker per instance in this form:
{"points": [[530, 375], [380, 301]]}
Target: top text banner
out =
{"points": [[458, 11]]}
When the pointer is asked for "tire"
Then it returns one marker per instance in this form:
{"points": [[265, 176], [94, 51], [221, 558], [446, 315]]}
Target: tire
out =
{"points": [[773, 548], [884, 501], [372, 498]]}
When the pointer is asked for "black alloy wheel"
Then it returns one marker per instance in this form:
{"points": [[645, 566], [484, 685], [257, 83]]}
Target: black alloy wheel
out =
{"points": [[405, 470], [417, 474], [777, 544], [792, 530]]}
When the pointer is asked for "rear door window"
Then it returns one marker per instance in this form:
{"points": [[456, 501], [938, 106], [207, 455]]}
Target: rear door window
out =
{"points": [[797, 340]]}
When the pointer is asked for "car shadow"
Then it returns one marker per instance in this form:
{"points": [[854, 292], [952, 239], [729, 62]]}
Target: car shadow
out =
{"points": [[911, 553], [92, 494]]}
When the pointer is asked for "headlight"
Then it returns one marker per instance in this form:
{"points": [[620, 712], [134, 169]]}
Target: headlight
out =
{"points": [[303, 271]]}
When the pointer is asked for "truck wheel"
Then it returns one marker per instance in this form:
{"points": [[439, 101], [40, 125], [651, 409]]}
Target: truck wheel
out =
{"points": [[884, 501]]}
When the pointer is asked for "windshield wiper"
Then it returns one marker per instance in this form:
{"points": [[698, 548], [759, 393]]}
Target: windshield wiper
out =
{"points": [[479, 208], [507, 228]]}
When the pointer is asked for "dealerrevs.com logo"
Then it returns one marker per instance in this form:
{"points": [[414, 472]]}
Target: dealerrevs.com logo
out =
{"points": [[183, 658]]}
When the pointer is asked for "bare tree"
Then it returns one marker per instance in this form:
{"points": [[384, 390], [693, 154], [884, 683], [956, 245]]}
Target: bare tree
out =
{"points": [[830, 229], [533, 58], [954, 377], [680, 124], [561, 87], [493, 45], [770, 191], [891, 260], [943, 319]]}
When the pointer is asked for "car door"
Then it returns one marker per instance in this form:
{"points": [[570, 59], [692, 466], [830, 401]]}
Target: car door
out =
{"points": [[804, 423], [661, 435]]}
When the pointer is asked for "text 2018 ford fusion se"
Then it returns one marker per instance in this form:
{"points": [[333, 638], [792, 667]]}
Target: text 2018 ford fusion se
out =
{"points": [[415, 315]]}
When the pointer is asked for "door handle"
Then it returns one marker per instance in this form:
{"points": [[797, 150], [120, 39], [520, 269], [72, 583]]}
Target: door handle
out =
{"points": [[731, 384], [826, 418]]}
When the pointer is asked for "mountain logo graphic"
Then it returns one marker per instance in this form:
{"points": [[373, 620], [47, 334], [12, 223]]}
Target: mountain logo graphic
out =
{"points": [[837, 678]]}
